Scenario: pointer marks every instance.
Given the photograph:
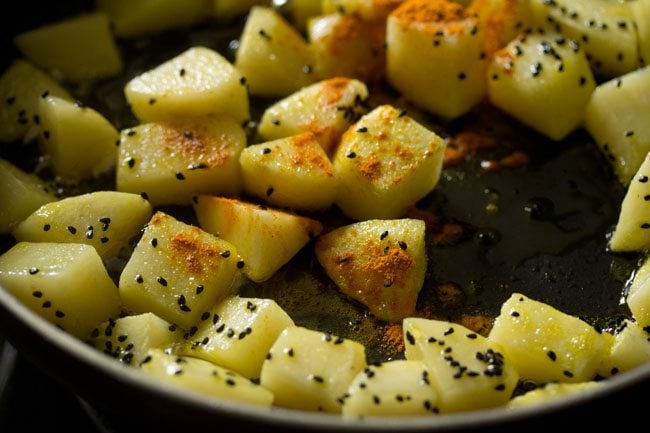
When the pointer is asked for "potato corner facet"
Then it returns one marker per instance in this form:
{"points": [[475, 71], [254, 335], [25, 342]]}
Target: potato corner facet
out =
{"points": [[385, 163]]}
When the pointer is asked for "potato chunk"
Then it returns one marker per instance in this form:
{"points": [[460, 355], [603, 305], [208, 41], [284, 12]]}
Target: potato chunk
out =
{"points": [[386, 162], [197, 82], [394, 388], [136, 18], [107, 220], [310, 370], [21, 87], [65, 284], [638, 296], [641, 11], [71, 129], [605, 28], [552, 391], [26, 193], [204, 377], [265, 238], [630, 349], [380, 263], [547, 345], [272, 55], [434, 56], [238, 333], [292, 172], [616, 119], [544, 81], [326, 109], [467, 370], [178, 271], [75, 49], [175, 160]]}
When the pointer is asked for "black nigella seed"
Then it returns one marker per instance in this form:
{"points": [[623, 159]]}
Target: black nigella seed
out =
{"points": [[188, 134], [221, 328], [230, 382], [72, 230], [567, 373], [629, 133], [242, 80], [89, 232], [449, 331], [45, 94], [536, 69], [37, 294], [289, 351], [103, 239], [472, 336], [338, 340], [645, 226], [383, 235], [33, 271], [106, 221], [181, 300], [199, 289], [551, 355], [10, 100], [362, 129], [180, 176], [643, 179], [37, 119], [60, 314], [646, 197], [225, 254], [250, 306], [181, 72], [266, 151], [351, 155], [144, 195], [46, 304], [230, 333], [240, 264], [269, 191], [130, 162], [185, 308], [46, 134], [205, 315], [317, 379], [122, 338], [276, 122], [46, 227], [376, 399], [154, 242], [263, 34], [514, 314], [462, 76], [152, 101], [215, 318], [130, 133], [162, 281], [500, 387], [205, 341], [402, 245], [410, 338]]}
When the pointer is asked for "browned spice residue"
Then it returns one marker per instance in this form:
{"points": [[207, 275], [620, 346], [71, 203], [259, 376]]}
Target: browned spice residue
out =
{"points": [[449, 235], [450, 295], [392, 265], [516, 159], [188, 248], [422, 11], [477, 323], [370, 167], [392, 336], [465, 144]]}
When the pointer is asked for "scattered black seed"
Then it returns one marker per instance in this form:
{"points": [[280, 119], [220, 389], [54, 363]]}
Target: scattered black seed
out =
{"points": [[448, 332], [362, 129], [46, 304], [583, 81], [103, 239], [46, 227], [276, 122], [269, 191], [46, 134], [152, 101], [250, 306], [240, 263], [180, 176], [182, 72], [536, 69], [221, 328], [122, 338], [225, 254], [289, 351], [462, 76], [10, 100], [188, 134], [567, 373], [402, 245], [339, 340], [552, 356], [645, 226], [268, 355], [351, 155], [162, 281], [307, 69], [33, 271], [266, 151], [263, 34], [619, 82], [89, 232], [199, 289], [410, 338], [45, 94], [472, 336], [72, 230], [622, 25], [36, 118], [500, 387], [144, 195], [375, 399], [629, 133], [130, 133], [230, 333], [317, 379], [514, 314], [60, 314], [643, 179]]}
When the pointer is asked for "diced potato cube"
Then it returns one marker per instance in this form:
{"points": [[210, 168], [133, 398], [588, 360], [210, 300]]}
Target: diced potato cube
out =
{"points": [[547, 345], [68, 130], [178, 271], [641, 11], [129, 338], [175, 160], [21, 86], [204, 377], [605, 28], [367, 10], [394, 388], [544, 81], [65, 284], [347, 46], [107, 220], [75, 49], [238, 333], [197, 82], [632, 232], [326, 109], [272, 55], [552, 391], [292, 172], [638, 296], [616, 119], [266, 239], [135, 18], [386, 162], [435, 56], [467, 370], [26, 193], [380, 263], [310, 370], [630, 349], [502, 20]]}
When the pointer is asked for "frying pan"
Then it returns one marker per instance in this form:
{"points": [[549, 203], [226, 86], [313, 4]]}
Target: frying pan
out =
{"points": [[547, 240]]}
